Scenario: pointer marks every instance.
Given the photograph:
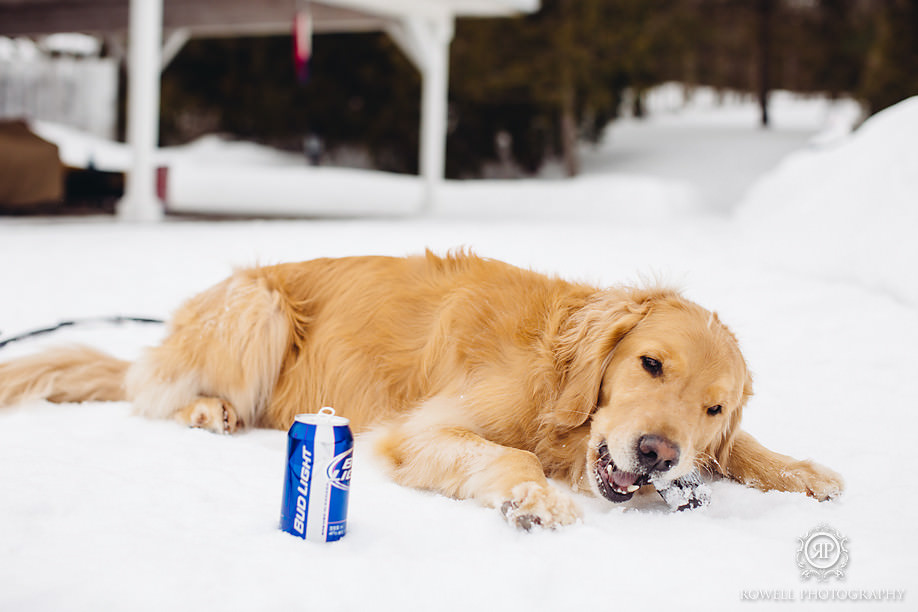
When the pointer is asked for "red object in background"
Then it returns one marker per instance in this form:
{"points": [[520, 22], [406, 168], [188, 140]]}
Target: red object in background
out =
{"points": [[162, 183], [302, 44]]}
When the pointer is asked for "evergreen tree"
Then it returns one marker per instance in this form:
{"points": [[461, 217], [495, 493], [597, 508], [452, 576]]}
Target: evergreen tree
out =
{"points": [[891, 72]]}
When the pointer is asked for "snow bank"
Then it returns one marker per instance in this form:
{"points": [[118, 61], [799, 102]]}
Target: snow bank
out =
{"points": [[78, 149], [81, 150], [215, 176], [249, 189], [845, 213]]}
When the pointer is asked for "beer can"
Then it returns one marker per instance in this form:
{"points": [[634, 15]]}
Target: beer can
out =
{"points": [[318, 476]]}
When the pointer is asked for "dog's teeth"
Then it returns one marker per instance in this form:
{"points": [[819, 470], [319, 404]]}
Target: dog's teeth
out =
{"points": [[633, 488]]}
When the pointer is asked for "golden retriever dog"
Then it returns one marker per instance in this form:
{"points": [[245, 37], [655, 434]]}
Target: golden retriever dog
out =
{"points": [[483, 380]]}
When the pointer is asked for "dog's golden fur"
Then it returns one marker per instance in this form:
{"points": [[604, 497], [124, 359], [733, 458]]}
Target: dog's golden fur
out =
{"points": [[483, 379]]}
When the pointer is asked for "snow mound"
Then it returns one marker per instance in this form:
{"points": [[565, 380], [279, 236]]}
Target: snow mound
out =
{"points": [[849, 212], [78, 149]]}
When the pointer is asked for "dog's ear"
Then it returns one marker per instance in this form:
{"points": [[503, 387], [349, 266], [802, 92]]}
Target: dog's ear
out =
{"points": [[722, 447], [584, 349]]}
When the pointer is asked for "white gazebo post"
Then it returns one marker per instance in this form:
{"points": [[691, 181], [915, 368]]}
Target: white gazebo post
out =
{"points": [[425, 40], [434, 108], [145, 37]]}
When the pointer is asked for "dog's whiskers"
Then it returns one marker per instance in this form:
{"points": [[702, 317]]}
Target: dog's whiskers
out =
{"points": [[704, 461]]}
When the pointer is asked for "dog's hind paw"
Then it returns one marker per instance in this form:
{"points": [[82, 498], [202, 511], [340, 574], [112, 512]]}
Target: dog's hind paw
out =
{"points": [[535, 504], [209, 413]]}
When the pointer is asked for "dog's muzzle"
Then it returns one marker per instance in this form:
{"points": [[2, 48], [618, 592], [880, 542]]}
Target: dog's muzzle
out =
{"points": [[614, 484], [682, 493]]}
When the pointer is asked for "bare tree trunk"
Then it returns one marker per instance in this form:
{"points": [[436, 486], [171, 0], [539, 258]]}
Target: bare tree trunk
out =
{"points": [[567, 93], [764, 13], [569, 132]]}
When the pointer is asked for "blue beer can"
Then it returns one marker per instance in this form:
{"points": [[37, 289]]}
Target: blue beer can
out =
{"points": [[318, 476]]}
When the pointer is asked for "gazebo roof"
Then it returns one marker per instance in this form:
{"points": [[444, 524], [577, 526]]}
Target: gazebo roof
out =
{"points": [[229, 17]]}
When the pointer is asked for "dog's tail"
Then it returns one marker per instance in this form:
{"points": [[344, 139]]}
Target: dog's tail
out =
{"points": [[74, 374]]}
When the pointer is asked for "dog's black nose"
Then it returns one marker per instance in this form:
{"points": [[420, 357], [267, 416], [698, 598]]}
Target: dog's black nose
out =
{"points": [[656, 453]]}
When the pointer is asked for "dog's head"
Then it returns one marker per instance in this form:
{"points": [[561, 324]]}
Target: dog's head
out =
{"points": [[662, 382]]}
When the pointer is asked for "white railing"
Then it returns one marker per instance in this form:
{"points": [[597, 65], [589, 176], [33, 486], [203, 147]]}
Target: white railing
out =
{"points": [[81, 93]]}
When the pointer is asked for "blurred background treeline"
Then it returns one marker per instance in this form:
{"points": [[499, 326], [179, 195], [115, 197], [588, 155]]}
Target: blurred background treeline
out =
{"points": [[532, 87]]}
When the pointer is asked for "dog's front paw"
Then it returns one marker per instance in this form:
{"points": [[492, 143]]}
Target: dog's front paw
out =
{"points": [[815, 480], [209, 413], [532, 503]]}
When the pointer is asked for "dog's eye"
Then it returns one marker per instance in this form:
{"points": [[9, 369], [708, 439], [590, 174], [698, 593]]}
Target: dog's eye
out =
{"points": [[715, 410], [653, 366]]}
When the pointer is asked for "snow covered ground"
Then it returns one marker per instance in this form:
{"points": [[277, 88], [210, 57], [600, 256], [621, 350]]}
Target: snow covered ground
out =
{"points": [[100, 510]]}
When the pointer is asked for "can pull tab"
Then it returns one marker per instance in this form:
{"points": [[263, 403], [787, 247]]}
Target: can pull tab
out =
{"points": [[327, 411]]}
